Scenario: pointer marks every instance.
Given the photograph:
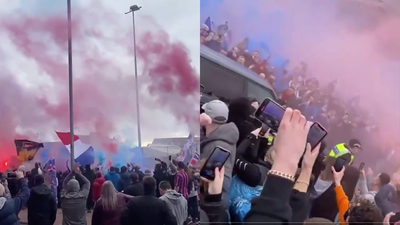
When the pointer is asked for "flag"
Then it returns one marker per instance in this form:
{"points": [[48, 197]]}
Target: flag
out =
{"points": [[186, 148], [195, 159], [83, 153], [26, 149], [50, 168], [208, 23]]}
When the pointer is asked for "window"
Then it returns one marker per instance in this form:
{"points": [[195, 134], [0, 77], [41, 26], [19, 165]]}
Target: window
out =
{"points": [[224, 83], [258, 92]]}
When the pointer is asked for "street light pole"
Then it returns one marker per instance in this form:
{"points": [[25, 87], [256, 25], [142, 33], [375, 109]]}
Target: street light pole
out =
{"points": [[71, 94], [132, 10]]}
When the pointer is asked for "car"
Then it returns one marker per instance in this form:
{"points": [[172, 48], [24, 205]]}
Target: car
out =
{"points": [[226, 80]]}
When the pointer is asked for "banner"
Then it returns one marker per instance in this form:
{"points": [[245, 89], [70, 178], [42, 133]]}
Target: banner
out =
{"points": [[26, 149]]}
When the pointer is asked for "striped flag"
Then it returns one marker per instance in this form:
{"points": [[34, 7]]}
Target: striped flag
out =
{"points": [[50, 168], [83, 153], [185, 149], [195, 159]]}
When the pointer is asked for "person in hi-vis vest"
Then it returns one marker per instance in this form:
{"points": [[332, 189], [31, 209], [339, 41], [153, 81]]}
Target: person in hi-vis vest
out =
{"points": [[341, 149]]}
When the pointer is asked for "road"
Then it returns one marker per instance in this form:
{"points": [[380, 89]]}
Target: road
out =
{"points": [[23, 215]]}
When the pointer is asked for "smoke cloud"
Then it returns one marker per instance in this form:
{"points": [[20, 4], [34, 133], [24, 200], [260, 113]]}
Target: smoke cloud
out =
{"points": [[354, 42], [34, 77]]}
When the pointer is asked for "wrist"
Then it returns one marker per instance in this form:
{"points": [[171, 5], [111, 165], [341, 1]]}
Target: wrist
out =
{"points": [[284, 166], [337, 183], [214, 191]]}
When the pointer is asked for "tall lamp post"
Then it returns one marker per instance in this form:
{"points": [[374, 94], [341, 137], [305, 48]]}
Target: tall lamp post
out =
{"points": [[71, 94], [132, 10]]}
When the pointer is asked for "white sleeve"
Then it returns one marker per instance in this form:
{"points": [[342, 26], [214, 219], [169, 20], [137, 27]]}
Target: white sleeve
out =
{"points": [[40, 171]]}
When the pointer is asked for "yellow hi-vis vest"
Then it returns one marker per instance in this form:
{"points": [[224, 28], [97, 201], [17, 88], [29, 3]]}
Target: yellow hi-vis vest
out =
{"points": [[270, 140], [339, 150]]}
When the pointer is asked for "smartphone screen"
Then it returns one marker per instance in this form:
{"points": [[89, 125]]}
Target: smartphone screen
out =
{"points": [[270, 113], [394, 219], [316, 134], [11, 175], [217, 159], [339, 164], [361, 166]]}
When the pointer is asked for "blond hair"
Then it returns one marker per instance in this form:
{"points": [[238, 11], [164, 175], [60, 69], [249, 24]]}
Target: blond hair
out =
{"points": [[109, 196]]}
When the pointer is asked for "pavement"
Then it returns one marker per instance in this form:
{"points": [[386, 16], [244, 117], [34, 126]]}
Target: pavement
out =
{"points": [[23, 215]]}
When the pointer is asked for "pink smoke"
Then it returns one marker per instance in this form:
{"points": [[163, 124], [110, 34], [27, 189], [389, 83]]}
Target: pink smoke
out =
{"points": [[104, 94], [354, 42]]}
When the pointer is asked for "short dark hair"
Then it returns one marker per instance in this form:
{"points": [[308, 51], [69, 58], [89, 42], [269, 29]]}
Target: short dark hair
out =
{"points": [[87, 167], [149, 185], [134, 177], [164, 185], [38, 179], [181, 165], [384, 179], [124, 169], [364, 212], [112, 169]]}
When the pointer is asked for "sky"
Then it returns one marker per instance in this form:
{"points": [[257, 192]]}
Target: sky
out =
{"points": [[34, 69], [356, 43]]}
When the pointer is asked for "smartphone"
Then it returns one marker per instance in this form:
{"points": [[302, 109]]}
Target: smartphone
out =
{"points": [[339, 164], [202, 88], [270, 113], [394, 219], [264, 130], [316, 134], [11, 175], [169, 157], [217, 159], [361, 166]]}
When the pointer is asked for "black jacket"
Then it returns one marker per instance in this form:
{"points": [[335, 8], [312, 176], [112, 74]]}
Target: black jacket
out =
{"points": [[147, 210], [42, 208], [135, 189], [213, 210]]}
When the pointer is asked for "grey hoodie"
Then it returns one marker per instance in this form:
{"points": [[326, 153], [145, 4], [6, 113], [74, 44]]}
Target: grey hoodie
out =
{"points": [[178, 205], [226, 137]]}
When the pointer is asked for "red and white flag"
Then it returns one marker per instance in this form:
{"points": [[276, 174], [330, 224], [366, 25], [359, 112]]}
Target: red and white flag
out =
{"points": [[195, 159], [83, 153]]}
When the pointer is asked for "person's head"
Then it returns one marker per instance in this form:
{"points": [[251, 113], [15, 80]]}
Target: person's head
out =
{"points": [[354, 146], [363, 212], [73, 186], [38, 180], [317, 220], [157, 167], [254, 103], [97, 169], [134, 177], [164, 186], [256, 55], [112, 169], [262, 76], [124, 169], [217, 111], [98, 174], [87, 168], [241, 60], [109, 196], [149, 185], [181, 166], [381, 179]]}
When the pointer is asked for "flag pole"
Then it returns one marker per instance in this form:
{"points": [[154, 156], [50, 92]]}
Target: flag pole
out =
{"points": [[71, 102]]}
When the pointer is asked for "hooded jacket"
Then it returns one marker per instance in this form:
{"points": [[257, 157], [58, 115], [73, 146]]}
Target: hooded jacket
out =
{"points": [[226, 137], [178, 204], [73, 199], [96, 189], [42, 206], [114, 178], [10, 208]]}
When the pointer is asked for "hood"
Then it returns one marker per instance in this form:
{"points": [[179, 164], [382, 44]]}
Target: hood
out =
{"points": [[173, 196], [40, 190], [240, 109], [2, 202], [112, 174], [228, 133], [100, 180]]}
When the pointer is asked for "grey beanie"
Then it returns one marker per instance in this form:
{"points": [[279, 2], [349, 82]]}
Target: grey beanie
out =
{"points": [[73, 185]]}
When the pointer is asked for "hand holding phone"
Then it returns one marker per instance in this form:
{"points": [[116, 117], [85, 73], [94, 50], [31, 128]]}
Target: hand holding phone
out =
{"points": [[361, 166], [216, 159]]}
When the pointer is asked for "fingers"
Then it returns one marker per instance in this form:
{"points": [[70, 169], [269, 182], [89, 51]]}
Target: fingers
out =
{"points": [[316, 149], [308, 149], [293, 117], [287, 117], [333, 170]]}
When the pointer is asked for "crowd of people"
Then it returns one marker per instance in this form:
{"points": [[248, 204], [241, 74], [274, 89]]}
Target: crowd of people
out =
{"points": [[126, 195], [281, 183], [270, 178]]}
